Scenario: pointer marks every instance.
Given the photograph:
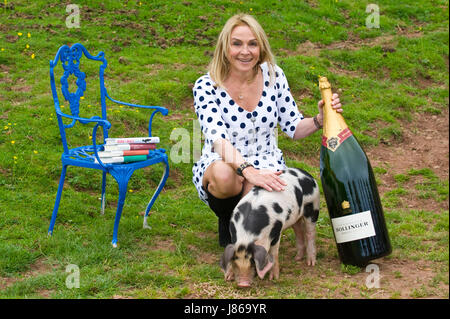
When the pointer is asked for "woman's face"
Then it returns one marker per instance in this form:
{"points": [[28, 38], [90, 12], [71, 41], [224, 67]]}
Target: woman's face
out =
{"points": [[244, 49]]}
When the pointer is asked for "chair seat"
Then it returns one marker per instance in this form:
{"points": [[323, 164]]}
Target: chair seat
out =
{"points": [[83, 156]]}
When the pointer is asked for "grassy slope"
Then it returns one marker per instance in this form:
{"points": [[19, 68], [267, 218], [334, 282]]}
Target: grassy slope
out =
{"points": [[166, 48]]}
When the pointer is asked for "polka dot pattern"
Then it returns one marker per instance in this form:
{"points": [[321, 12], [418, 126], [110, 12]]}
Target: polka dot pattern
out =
{"points": [[253, 133]]}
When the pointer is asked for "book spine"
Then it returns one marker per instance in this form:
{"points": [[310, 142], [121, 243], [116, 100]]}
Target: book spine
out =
{"points": [[128, 147], [118, 147], [148, 139], [140, 146], [110, 154], [136, 152], [122, 153], [123, 159]]}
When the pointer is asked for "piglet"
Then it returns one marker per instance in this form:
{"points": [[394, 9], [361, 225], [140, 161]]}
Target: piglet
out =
{"points": [[258, 220]]}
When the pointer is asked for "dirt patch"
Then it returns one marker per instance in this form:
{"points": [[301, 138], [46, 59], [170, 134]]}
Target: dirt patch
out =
{"points": [[388, 42], [402, 279], [36, 269], [158, 243], [424, 144]]}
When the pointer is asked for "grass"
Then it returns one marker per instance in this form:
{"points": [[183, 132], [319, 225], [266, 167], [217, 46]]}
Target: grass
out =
{"points": [[156, 50]]}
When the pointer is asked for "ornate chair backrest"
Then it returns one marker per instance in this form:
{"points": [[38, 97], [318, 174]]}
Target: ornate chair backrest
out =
{"points": [[70, 61]]}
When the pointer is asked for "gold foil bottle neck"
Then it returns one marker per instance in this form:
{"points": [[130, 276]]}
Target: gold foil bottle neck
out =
{"points": [[323, 83], [335, 130]]}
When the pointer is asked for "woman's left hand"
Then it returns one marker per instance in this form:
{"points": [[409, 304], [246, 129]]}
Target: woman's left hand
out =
{"points": [[335, 104]]}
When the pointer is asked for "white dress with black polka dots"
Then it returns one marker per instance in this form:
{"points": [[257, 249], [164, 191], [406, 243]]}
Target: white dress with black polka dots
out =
{"points": [[253, 134]]}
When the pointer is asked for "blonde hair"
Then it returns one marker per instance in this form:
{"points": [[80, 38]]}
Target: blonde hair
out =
{"points": [[219, 66]]}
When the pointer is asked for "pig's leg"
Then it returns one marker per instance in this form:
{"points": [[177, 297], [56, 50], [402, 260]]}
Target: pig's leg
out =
{"points": [[299, 230], [310, 235], [275, 271]]}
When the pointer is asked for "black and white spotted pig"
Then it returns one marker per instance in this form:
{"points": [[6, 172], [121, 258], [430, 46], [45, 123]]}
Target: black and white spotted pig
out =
{"points": [[258, 220]]}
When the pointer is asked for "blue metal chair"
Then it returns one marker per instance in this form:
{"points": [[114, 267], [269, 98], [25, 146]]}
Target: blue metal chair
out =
{"points": [[85, 156]]}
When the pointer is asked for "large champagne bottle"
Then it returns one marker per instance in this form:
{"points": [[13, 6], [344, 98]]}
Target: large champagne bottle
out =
{"points": [[350, 190]]}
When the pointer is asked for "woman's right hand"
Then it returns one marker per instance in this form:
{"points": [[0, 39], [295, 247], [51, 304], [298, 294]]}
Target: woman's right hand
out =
{"points": [[267, 179]]}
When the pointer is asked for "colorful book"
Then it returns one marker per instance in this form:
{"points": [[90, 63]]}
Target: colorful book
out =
{"points": [[128, 147], [122, 159], [123, 153], [129, 140]]}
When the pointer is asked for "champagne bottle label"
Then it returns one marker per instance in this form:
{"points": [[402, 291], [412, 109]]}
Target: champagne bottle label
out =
{"points": [[333, 142], [353, 227]]}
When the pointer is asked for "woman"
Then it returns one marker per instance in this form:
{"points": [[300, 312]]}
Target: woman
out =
{"points": [[239, 104]]}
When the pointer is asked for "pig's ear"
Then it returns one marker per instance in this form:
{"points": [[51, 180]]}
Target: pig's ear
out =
{"points": [[263, 261], [226, 257]]}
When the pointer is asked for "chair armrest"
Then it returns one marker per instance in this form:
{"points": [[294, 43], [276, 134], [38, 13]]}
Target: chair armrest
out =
{"points": [[83, 120], [161, 109], [155, 109], [94, 143]]}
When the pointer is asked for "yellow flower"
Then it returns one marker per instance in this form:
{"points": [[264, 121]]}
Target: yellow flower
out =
{"points": [[251, 9], [130, 190], [90, 137], [32, 56], [62, 106], [35, 152], [19, 34], [28, 46], [5, 128], [82, 97], [13, 142], [3, 49], [15, 157], [29, 35]]}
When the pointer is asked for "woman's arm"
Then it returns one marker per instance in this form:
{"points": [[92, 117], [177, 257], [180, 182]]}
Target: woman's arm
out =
{"points": [[306, 126]]}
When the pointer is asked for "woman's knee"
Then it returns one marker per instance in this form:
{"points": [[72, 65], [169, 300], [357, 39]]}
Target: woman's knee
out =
{"points": [[223, 181]]}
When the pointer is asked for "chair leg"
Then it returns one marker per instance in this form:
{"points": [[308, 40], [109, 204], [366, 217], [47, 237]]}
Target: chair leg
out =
{"points": [[155, 195], [122, 176], [120, 203], [103, 194], [58, 198]]}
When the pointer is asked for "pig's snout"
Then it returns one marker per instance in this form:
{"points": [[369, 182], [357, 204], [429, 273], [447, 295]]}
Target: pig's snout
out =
{"points": [[244, 283]]}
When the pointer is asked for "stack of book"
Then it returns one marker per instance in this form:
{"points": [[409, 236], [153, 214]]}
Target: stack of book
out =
{"points": [[125, 150]]}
